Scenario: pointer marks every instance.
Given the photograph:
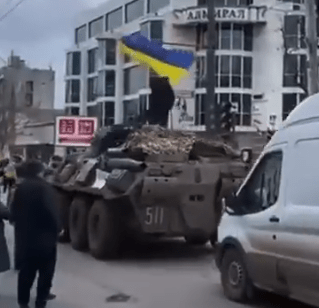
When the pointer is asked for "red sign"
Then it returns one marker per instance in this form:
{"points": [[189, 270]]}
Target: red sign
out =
{"points": [[75, 131]]}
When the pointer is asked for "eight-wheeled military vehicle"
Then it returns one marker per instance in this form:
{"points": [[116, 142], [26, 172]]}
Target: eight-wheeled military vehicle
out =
{"points": [[150, 181]]}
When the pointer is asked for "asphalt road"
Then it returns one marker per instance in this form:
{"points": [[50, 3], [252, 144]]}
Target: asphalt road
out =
{"points": [[164, 274]]}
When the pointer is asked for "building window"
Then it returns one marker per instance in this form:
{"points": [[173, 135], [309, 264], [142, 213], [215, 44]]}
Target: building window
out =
{"points": [[114, 19], [110, 51], [156, 31], [72, 91], [294, 31], [142, 108], [154, 5], [242, 118], [72, 111], [289, 102], [232, 71], [109, 113], [29, 99], [234, 37], [201, 71], [92, 60], [294, 1], [135, 78], [134, 10], [229, 36], [200, 109], [80, 34], [29, 86], [96, 27], [73, 63], [96, 111], [229, 3], [130, 111], [243, 101], [295, 71], [110, 83], [92, 92], [153, 30]]}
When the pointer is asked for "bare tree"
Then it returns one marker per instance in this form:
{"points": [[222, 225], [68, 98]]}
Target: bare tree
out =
{"points": [[7, 115]]}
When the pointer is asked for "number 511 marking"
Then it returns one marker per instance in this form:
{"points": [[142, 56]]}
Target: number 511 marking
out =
{"points": [[154, 215]]}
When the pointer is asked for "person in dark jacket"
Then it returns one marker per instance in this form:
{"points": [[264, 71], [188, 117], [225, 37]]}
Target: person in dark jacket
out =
{"points": [[35, 218], [4, 254]]}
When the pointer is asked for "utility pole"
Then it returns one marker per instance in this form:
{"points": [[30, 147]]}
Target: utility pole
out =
{"points": [[211, 105], [311, 33]]}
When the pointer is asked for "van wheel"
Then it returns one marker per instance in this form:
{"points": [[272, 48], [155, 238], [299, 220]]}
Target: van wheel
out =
{"points": [[104, 231], [79, 211], [234, 276]]}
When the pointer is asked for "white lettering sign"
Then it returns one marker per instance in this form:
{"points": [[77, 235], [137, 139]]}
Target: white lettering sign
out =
{"points": [[249, 14]]}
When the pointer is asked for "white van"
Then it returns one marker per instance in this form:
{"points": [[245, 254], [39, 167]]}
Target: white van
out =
{"points": [[268, 237]]}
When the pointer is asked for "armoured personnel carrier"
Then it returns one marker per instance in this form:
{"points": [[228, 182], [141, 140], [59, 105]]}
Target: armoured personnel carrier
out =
{"points": [[150, 181]]}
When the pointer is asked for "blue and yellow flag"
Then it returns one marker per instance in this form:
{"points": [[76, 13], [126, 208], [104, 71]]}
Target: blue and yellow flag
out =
{"points": [[173, 64]]}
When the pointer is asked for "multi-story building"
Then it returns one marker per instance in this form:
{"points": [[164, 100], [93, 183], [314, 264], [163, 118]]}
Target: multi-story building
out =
{"points": [[261, 58], [27, 115]]}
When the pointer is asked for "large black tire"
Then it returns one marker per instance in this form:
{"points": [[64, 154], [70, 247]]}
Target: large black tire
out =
{"points": [[104, 231], [78, 218], [196, 240], [235, 280]]}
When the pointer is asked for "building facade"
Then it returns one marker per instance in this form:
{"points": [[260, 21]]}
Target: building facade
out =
{"points": [[261, 59], [27, 115]]}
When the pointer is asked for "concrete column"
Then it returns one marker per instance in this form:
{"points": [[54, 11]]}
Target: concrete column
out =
{"points": [[119, 88], [83, 90]]}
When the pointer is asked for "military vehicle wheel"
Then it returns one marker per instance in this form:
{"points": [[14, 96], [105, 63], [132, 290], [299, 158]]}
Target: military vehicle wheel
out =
{"points": [[103, 231], [235, 281], [78, 223], [196, 240]]}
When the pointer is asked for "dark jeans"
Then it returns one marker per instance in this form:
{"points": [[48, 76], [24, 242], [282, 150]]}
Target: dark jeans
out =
{"points": [[44, 265]]}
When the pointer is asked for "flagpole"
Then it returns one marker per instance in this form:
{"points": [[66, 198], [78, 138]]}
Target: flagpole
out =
{"points": [[212, 120]]}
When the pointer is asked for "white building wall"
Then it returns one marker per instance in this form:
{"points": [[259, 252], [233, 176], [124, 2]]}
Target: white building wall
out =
{"points": [[268, 53], [43, 85], [268, 67]]}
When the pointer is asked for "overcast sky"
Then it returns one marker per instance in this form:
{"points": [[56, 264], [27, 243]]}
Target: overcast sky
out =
{"points": [[40, 31]]}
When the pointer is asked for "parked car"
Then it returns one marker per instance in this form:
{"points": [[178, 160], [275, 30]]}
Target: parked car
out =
{"points": [[268, 237]]}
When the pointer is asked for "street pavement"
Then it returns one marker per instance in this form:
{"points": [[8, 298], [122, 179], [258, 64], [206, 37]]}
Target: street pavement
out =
{"points": [[164, 274]]}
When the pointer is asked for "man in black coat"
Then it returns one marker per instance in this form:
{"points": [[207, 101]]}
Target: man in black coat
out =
{"points": [[34, 214]]}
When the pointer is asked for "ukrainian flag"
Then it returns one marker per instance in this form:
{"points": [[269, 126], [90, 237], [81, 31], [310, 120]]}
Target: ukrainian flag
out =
{"points": [[173, 64]]}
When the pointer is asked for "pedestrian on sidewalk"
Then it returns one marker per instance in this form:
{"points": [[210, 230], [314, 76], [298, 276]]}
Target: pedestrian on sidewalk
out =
{"points": [[4, 254], [35, 217]]}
